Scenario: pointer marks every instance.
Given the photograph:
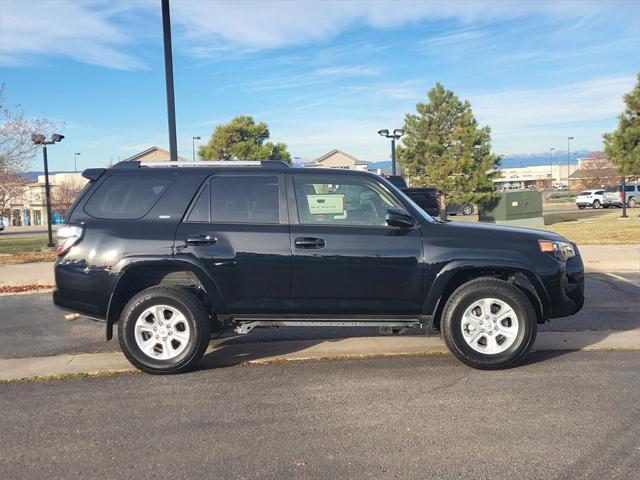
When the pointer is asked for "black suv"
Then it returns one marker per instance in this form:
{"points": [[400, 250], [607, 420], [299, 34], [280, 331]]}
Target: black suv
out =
{"points": [[175, 253]]}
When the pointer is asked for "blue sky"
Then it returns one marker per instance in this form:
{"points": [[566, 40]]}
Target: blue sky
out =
{"points": [[323, 75]]}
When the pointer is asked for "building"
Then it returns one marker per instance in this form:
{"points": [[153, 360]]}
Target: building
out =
{"points": [[26, 202], [594, 172], [153, 154], [536, 177], [337, 159]]}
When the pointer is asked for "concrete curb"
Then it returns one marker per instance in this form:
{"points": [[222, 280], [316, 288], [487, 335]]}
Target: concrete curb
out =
{"points": [[221, 355]]}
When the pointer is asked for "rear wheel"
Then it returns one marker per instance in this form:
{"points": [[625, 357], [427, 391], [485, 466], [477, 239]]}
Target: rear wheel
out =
{"points": [[467, 209], [164, 330], [489, 324], [581, 207], [631, 203], [596, 204]]}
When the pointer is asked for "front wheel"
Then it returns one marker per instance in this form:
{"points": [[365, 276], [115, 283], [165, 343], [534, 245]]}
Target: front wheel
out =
{"points": [[596, 204], [164, 330], [489, 324], [467, 209], [631, 203]]}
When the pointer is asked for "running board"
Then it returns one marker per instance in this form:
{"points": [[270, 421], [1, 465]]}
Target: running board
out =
{"points": [[245, 327]]}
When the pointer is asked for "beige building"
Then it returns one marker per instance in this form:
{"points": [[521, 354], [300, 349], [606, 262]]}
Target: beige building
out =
{"points": [[536, 177], [153, 154], [337, 159], [26, 203]]}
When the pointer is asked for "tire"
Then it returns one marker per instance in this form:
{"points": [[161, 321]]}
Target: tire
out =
{"points": [[595, 204], [606, 205], [467, 210], [181, 337], [461, 311], [631, 203], [581, 207]]}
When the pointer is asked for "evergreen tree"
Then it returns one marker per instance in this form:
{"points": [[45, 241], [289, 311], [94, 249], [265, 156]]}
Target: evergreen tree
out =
{"points": [[243, 139], [443, 146], [623, 146]]}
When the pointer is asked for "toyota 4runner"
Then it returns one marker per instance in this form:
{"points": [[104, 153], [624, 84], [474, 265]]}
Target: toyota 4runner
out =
{"points": [[175, 255]]}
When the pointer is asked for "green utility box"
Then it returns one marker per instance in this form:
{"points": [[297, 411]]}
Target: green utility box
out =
{"points": [[521, 207]]}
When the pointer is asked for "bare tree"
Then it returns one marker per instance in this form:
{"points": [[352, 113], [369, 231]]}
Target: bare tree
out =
{"points": [[11, 188], [16, 148], [64, 194]]}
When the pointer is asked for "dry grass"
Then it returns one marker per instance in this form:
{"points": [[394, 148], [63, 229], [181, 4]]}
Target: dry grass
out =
{"points": [[595, 227], [25, 250]]}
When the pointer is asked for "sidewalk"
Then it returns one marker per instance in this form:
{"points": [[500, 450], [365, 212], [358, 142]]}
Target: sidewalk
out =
{"points": [[597, 258], [221, 355]]}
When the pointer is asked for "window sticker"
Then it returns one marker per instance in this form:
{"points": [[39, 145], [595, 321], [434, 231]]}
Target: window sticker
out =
{"points": [[328, 204]]}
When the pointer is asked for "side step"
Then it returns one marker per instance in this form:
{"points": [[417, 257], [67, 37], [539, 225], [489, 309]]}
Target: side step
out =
{"points": [[245, 327]]}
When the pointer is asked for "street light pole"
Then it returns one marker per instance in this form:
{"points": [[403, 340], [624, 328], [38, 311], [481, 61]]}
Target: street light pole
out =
{"points": [[168, 70], [75, 161], [40, 139], [551, 161], [397, 133], [47, 193], [193, 145], [568, 157]]}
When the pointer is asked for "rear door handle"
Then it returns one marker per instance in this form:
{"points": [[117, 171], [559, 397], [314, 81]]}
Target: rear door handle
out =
{"points": [[309, 242], [201, 240]]}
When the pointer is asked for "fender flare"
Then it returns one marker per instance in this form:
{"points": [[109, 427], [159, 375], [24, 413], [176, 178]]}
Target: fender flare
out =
{"points": [[523, 275], [213, 292]]}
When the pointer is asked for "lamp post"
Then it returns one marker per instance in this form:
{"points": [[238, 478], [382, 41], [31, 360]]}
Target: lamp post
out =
{"points": [[551, 162], [40, 139], [397, 133], [168, 71], [193, 145], [568, 157], [75, 161]]}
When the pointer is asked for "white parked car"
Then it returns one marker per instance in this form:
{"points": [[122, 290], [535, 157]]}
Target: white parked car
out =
{"points": [[590, 198]]}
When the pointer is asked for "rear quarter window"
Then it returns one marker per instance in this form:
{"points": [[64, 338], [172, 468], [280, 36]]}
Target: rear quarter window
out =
{"points": [[127, 196]]}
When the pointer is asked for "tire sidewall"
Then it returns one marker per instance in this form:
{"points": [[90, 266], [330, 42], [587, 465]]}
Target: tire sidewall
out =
{"points": [[126, 333], [526, 325]]}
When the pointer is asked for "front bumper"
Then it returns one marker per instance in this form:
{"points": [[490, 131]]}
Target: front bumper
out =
{"points": [[566, 290]]}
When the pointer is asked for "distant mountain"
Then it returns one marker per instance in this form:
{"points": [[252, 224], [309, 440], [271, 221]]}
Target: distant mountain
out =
{"points": [[511, 161], [33, 176]]}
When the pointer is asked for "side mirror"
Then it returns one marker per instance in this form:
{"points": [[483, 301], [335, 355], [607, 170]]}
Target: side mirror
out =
{"points": [[399, 217]]}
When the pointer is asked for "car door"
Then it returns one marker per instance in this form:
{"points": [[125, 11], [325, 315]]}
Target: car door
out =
{"points": [[346, 259], [238, 229]]}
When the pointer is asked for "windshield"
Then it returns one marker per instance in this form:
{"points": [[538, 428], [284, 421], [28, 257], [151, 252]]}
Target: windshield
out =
{"points": [[584, 193]]}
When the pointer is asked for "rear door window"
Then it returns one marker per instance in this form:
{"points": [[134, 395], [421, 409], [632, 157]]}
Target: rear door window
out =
{"points": [[245, 199], [127, 196]]}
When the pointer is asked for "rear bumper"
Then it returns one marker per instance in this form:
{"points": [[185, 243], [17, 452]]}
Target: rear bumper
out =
{"points": [[71, 305]]}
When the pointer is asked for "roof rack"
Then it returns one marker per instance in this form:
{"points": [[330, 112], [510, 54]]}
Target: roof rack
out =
{"points": [[204, 163]]}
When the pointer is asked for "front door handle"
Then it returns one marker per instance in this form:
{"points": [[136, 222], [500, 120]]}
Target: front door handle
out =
{"points": [[309, 242], [201, 240]]}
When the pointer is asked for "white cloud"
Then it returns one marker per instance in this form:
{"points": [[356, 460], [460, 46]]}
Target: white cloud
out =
{"points": [[531, 120], [348, 71], [259, 25], [33, 31]]}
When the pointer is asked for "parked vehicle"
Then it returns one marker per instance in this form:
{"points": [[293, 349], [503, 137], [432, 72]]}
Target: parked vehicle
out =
{"points": [[613, 195], [174, 255], [561, 186], [591, 198], [428, 198]]}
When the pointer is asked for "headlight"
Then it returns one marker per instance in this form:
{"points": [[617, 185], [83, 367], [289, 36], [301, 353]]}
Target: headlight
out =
{"points": [[563, 251]]}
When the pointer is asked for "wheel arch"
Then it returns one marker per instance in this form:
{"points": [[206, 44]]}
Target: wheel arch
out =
{"points": [[457, 273], [137, 275]]}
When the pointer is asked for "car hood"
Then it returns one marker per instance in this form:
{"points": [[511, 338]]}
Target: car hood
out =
{"points": [[500, 232]]}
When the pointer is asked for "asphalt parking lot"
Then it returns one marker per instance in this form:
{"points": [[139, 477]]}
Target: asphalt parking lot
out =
{"points": [[30, 326], [559, 416]]}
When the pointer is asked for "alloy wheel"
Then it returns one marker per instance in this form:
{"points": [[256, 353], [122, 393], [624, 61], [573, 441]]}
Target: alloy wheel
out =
{"points": [[489, 326]]}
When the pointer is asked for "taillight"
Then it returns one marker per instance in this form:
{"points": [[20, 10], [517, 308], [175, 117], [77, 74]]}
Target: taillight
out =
{"points": [[620, 194], [67, 237]]}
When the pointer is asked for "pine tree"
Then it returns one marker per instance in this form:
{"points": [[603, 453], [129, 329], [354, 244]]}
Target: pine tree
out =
{"points": [[443, 146], [623, 146]]}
